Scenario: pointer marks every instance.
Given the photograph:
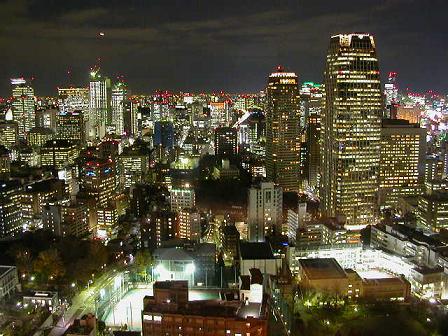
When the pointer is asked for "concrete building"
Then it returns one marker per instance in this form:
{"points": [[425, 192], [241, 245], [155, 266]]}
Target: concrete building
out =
{"points": [[182, 198], [403, 148], [264, 210], [282, 130], [58, 153], [258, 255], [327, 276], [9, 280], [226, 144], [170, 311], [351, 130]]}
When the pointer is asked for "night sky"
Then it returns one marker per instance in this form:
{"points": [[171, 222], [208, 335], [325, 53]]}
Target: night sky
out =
{"points": [[213, 45]]}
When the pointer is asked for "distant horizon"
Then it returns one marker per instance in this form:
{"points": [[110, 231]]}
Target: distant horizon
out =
{"points": [[207, 46]]}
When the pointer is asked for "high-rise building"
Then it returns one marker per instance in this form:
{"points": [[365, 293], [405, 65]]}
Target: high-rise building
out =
{"points": [[133, 166], [403, 147], [433, 168], [100, 114], [226, 141], [160, 226], [312, 95], [391, 95], [9, 133], [119, 97], [282, 130], [98, 180], [70, 126], [163, 138], [58, 153], [46, 117], [23, 105], [219, 114], [264, 210], [73, 99], [182, 198], [190, 224], [11, 219], [351, 130], [38, 136]]}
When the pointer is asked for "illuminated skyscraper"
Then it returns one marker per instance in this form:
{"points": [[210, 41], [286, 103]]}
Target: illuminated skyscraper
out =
{"points": [[23, 105], [119, 96], [73, 99], [70, 126], [403, 148], [282, 130], [99, 116], [351, 130], [313, 99], [391, 95], [226, 141]]}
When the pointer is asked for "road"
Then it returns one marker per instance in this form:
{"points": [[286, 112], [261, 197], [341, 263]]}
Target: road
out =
{"points": [[82, 303]]}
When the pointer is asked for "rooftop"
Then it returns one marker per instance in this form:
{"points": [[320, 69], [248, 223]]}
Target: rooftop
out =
{"points": [[322, 268], [256, 251]]}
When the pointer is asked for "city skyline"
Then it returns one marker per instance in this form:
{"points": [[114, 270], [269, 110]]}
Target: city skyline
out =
{"points": [[194, 46]]}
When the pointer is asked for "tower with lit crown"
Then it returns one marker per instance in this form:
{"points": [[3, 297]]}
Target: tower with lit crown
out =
{"points": [[23, 106], [99, 115], [119, 96], [282, 130], [351, 130]]}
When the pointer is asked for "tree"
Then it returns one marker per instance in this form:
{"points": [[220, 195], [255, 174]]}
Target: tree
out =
{"points": [[143, 259], [23, 259], [48, 265]]}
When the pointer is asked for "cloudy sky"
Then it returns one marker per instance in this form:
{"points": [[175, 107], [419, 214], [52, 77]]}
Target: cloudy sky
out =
{"points": [[213, 44]]}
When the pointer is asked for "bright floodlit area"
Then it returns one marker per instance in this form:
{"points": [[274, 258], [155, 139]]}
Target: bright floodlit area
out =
{"points": [[375, 274], [128, 309]]}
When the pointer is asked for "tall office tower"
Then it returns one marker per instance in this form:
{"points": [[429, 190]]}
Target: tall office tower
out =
{"points": [[163, 138], [119, 97], [5, 162], [11, 219], [182, 198], [226, 141], [190, 224], [133, 166], [312, 95], [433, 169], [252, 132], [58, 153], [75, 219], [282, 130], [35, 196], [46, 117], [99, 116], [391, 95], [219, 114], [73, 99], [264, 210], [351, 130], [23, 105], [9, 133], [97, 189], [132, 121], [403, 147], [38, 136], [160, 226], [70, 126], [98, 180]]}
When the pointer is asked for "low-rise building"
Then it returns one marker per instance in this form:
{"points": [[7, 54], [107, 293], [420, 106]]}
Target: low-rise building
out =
{"points": [[170, 312]]}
